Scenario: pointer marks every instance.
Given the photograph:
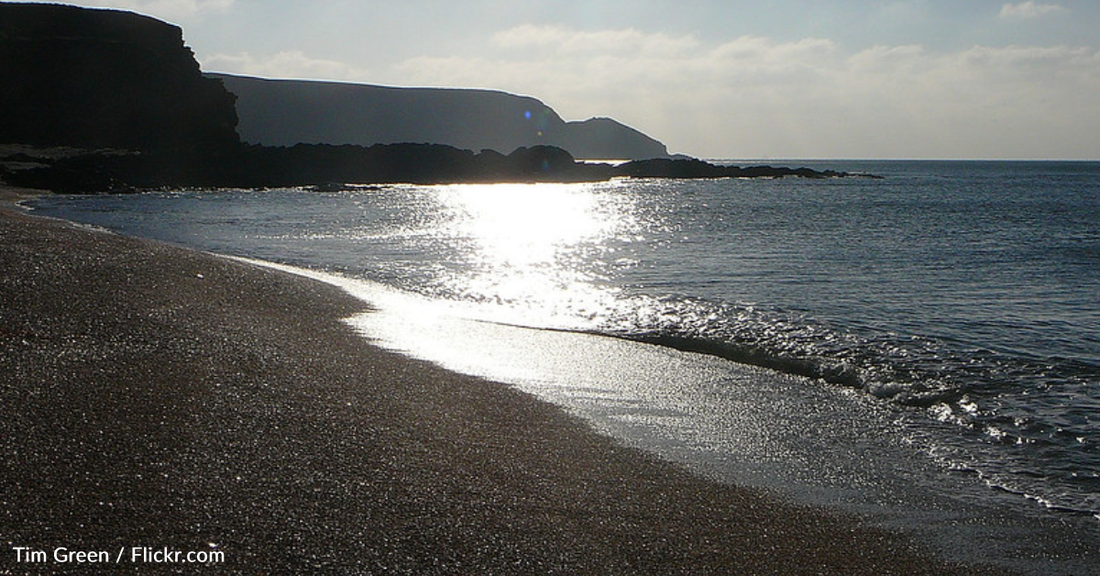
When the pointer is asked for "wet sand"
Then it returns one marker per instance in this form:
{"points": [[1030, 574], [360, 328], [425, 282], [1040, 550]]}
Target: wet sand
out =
{"points": [[153, 396]]}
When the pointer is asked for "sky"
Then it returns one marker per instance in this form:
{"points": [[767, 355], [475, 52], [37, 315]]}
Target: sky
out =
{"points": [[710, 78]]}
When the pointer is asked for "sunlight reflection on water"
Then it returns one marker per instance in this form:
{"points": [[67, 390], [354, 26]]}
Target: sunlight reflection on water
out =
{"points": [[535, 248]]}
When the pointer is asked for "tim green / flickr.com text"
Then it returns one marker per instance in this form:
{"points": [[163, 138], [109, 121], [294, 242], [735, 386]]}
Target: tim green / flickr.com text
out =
{"points": [[130, 554]]}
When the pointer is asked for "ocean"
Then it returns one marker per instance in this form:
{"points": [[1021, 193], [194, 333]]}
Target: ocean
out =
{"points": [[922, 350]]}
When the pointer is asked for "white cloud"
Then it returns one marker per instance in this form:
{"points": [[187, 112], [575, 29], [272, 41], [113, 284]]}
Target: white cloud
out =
{"points": [[287, 64], [755, 96], [1029, 9], [558, 39]]}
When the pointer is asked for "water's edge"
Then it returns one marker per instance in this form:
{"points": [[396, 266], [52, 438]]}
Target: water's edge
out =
{"points": [[778, 433]]}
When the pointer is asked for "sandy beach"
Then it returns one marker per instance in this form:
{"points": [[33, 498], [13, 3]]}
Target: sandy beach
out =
{"points": [[153, 397]]}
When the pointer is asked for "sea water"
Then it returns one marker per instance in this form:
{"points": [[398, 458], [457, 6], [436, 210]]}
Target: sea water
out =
{"points": [[922, 349]]}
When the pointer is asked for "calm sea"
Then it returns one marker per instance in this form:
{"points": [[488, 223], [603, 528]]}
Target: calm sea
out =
{"points": [[922, 349]]}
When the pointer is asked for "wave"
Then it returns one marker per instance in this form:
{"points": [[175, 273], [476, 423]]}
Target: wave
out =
{"points": [[907, 369], [831, 370], [910, 369], [1021, 424], [1046, 448]]}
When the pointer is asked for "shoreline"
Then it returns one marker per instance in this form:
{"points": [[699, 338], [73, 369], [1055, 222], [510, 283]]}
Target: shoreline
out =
{"points": [[157, 396]]}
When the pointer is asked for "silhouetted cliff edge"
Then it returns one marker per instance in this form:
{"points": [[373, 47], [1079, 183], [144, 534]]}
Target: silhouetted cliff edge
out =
{"points": [[105, 79], [289, 112]]}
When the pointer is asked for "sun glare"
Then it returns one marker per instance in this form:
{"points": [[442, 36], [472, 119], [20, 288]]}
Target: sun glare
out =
{"points": [[519, 225], [531, 247]]}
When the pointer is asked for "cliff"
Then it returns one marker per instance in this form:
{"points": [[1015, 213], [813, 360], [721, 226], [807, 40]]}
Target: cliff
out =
{"points": [[288, 112], [105, 79]]}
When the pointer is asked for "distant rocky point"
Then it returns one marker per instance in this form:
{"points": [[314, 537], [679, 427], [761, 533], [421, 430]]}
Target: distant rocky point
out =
{"points": [[289, 112]]}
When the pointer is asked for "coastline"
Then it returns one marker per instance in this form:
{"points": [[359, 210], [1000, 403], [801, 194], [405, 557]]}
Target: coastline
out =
{"points": [[156, 396]]}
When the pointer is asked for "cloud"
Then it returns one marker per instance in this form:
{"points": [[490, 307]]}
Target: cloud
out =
{"points": [[287, 64], [757, 96], [564, 40], [1029, 9]]}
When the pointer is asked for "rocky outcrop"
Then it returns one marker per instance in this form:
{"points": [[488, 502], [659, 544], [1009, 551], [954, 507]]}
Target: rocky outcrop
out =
{"points": [[289, 112], [692, 168], [607, 139], [105, 79], [330, 166]]}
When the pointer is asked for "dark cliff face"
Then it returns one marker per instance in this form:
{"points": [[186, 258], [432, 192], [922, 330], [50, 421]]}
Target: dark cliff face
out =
{"points": [[288, 112], [102, 78]]}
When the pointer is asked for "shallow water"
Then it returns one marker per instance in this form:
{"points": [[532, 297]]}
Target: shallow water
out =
{"points": [[924, 349]]}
